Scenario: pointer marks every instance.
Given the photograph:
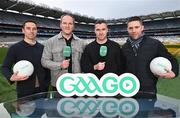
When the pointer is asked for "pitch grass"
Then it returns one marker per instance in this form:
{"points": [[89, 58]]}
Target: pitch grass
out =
{"points": [[170, 87], [7, 91], [3, 52], [165, 87]]}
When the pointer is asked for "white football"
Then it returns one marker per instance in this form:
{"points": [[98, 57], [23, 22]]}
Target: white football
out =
{"points": [[160, 65], [24, 68]]}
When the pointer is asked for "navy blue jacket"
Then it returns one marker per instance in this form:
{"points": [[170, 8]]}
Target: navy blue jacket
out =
{"points": [[32, 53]]}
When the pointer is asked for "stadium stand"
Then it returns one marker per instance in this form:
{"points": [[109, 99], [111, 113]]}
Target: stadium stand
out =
{"points": [[13, 13]]}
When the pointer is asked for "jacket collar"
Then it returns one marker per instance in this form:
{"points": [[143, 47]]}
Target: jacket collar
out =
{"points": [[28, 45], [74, 36]]}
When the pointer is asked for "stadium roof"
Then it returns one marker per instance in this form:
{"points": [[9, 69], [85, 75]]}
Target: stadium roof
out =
{"points": [[42, 10], [150, 17], [45, 11]]}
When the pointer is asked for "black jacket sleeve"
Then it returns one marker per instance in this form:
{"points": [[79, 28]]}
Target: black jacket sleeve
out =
{"points": [[121, 62], [86, 63], [9, 60]]}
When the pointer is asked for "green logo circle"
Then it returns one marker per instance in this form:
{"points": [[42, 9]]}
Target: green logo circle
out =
{"points": [[128, 82]]}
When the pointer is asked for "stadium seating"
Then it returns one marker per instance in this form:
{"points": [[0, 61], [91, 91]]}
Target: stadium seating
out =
{"points": [[11, 23]]}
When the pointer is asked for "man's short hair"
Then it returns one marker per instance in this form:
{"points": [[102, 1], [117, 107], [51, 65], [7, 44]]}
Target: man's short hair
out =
{"points": [[67, 15], [135, 18], [29, 20], [100, 22]]}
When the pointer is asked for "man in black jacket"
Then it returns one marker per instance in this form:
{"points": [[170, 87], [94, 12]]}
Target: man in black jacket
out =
{"points": [[102, 55], [139, 51], [27, 49]]}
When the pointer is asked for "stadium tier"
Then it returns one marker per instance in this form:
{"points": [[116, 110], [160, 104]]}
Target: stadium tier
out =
{"points": [[13, 13], [11, 23]]}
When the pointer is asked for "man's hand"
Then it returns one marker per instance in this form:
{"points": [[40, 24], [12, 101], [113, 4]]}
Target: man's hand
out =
{"points": [[65, 64], [170, 74], [15, 77], [99, 66]]}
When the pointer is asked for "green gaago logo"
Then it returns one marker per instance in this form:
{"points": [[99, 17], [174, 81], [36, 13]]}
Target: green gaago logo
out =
{"points": [[110, 84]]}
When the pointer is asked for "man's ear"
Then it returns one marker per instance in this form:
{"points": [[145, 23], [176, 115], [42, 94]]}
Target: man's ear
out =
{"points": [[142, 27], [22, 30]]}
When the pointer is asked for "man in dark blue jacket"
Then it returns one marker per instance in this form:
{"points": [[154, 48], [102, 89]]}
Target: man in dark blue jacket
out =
{"points": [[28, 49], [139, 51]]}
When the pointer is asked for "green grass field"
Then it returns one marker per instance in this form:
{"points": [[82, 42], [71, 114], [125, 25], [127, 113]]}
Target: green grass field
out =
{"points": [[165, 87], [2, 54], [170, 87], [7, 91]]}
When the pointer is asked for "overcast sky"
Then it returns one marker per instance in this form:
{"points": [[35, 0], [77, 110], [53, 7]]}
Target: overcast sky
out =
{"points": [[109, 9]]}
